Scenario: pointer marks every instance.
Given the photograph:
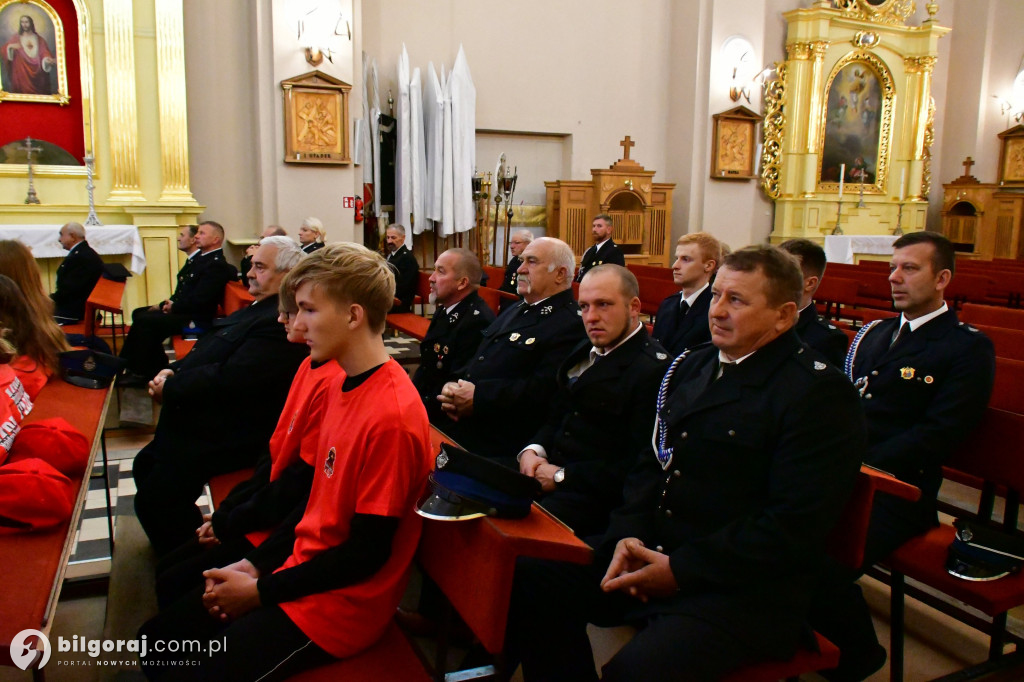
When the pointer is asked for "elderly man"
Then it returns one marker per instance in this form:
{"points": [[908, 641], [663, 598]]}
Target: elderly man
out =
{"points": [[405, 267], [243, 267], [604, 250], [460, 316], [204, 430], [200, 288], [717, 546], [924, 380], [682, 319], [600, 419], [516, 244], [77, 274], [502, 396], [813, 329]]}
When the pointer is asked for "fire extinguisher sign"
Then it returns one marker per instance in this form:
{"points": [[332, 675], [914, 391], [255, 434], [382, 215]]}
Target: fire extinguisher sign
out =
{"points": [[348, 202]]}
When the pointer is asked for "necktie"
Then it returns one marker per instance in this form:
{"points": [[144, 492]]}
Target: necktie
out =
{"points": [[903, 332], [684, 308]]}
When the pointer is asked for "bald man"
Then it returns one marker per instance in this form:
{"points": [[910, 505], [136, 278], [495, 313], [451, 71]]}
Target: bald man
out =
{"points": [[76, 275]]}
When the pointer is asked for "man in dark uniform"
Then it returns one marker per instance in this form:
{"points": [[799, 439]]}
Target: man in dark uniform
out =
{"points": [[682, 319], [600, 419], [204, 430], [813, 329], [77, 274], [924, 380], [519, 241], [604, 249], [716, 549], [460, 316], [200, 288], [502, 395], [405, 267]]}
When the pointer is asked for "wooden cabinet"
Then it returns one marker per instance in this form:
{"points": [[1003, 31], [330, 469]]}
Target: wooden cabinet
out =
{"points": [[985, 220]]}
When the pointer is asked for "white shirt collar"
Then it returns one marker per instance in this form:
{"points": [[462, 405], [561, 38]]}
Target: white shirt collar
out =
{"points": [[597, 247], [919, 322], [693, 297], [596, 352], [725, 361]]}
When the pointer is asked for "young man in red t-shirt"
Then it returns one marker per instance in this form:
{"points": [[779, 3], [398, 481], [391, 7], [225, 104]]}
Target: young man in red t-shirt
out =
{"points": [[333, 593]]}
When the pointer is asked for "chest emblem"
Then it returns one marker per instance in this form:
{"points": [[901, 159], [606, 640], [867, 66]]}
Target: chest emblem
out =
{"points": [[530, 340], [907, 373], [329, 463], [514, 336], [929, 379]]}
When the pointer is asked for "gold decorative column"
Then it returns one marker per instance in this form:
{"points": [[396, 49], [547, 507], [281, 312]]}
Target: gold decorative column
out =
{"points": [[170, 62], [121, 100], [919, 85]]}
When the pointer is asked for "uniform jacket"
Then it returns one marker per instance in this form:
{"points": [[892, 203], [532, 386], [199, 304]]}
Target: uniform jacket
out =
{"points": [[406, 270], [757, 479], [514, 370], [246, 353], [449, 343], [610, 253], [313, 246], [509, 283], [77, 274], [923, 396], [597, 426], [201, 283], [822, 336], [677, 333]]}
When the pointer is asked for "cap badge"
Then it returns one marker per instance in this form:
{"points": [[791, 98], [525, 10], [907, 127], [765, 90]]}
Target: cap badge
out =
{"points": [[442, 461]]}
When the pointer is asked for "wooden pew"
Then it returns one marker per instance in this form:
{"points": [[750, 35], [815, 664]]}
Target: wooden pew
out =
{"points": [[32, 565]]}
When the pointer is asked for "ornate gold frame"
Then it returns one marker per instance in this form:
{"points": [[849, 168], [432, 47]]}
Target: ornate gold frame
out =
{"points": [[316, 93], [61, 97], [885, 11], [743, 164], [774, 124], [88, 113], [885, 132]]}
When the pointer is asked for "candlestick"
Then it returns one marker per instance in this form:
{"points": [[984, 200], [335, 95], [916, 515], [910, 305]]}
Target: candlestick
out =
{"points": [[903, 186], [842, 177]]}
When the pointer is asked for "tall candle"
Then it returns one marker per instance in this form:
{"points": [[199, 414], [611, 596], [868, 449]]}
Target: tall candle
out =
{"points": [[903, 186], [842, 176]]}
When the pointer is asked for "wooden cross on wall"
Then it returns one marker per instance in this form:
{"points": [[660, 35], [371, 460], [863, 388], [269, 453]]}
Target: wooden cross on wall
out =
{"points": [[968, 162], [626, 144]]}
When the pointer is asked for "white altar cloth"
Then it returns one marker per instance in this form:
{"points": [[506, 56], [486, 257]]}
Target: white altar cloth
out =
{"points": [[840, 248], [105, 239]]}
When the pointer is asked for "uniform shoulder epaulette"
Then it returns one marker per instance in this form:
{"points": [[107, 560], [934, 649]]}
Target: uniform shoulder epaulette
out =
{"points": [[824, 322], [810, 360], [968, 328], [654, 350]]}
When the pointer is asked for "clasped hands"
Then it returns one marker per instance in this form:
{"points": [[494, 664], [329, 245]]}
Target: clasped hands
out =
{"points": [[156, 386], [457, 399], [231, 591], [533, 465], [638, 571]]}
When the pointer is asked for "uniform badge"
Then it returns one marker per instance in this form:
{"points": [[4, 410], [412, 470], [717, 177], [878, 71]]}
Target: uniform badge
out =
{"points": [[437, 347], [454, 316], [441, 461], [831, 326], [514, 336], [661, 356], [89, 364], [329, 462], [530, 340], [907, 373], [546, 310], [476, 312], [929, 379], [818, 365]]}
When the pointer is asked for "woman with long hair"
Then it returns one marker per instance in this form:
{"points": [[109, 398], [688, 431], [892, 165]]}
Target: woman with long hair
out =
{"points": [[26, 314]]}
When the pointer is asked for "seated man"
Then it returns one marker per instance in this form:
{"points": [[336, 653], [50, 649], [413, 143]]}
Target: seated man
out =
{"points": [[604, 250], [345, 566], [812, 328], [460, 316], [77, 274], [600, 418], [925, 380], [682, 319], [204, 430], [246, 263], [405, 267], [717, 546], [200, 289], [519, 241], [502, 395]]}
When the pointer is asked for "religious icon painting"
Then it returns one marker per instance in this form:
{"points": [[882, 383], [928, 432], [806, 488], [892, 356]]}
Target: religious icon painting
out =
{"points": [[33, 67], [316, 119]]}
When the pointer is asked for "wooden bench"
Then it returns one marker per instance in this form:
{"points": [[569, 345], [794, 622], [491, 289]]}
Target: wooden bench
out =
{"points": [[32, 565], [992, 316]]}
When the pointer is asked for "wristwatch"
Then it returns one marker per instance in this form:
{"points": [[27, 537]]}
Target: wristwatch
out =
{"points": [[559, 476]]}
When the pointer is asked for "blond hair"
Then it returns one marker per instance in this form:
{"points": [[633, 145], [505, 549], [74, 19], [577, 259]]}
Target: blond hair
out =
{"points": [[710, 248], [348, 273]]}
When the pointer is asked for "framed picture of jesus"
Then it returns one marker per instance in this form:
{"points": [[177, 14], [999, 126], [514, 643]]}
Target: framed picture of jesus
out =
{"points": [[32, 59]]}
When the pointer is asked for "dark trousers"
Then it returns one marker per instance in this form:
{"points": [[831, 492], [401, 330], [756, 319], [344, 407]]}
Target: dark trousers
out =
{"points": [[143, 348], [264, 644], [181, 570], [552, 602], [168, 480]]}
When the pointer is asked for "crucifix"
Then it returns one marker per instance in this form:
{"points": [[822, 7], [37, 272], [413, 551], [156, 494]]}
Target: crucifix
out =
{"points": [[626, 144], [28, 149], [93, 219], [968, 162]]}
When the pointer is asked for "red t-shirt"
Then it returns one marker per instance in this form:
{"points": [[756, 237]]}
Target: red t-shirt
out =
{"points": [[373, 458], [33, 374], [14, 407], [298, 429]]}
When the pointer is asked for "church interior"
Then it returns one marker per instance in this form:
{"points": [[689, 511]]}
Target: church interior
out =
{"points": [[674, 116]]}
